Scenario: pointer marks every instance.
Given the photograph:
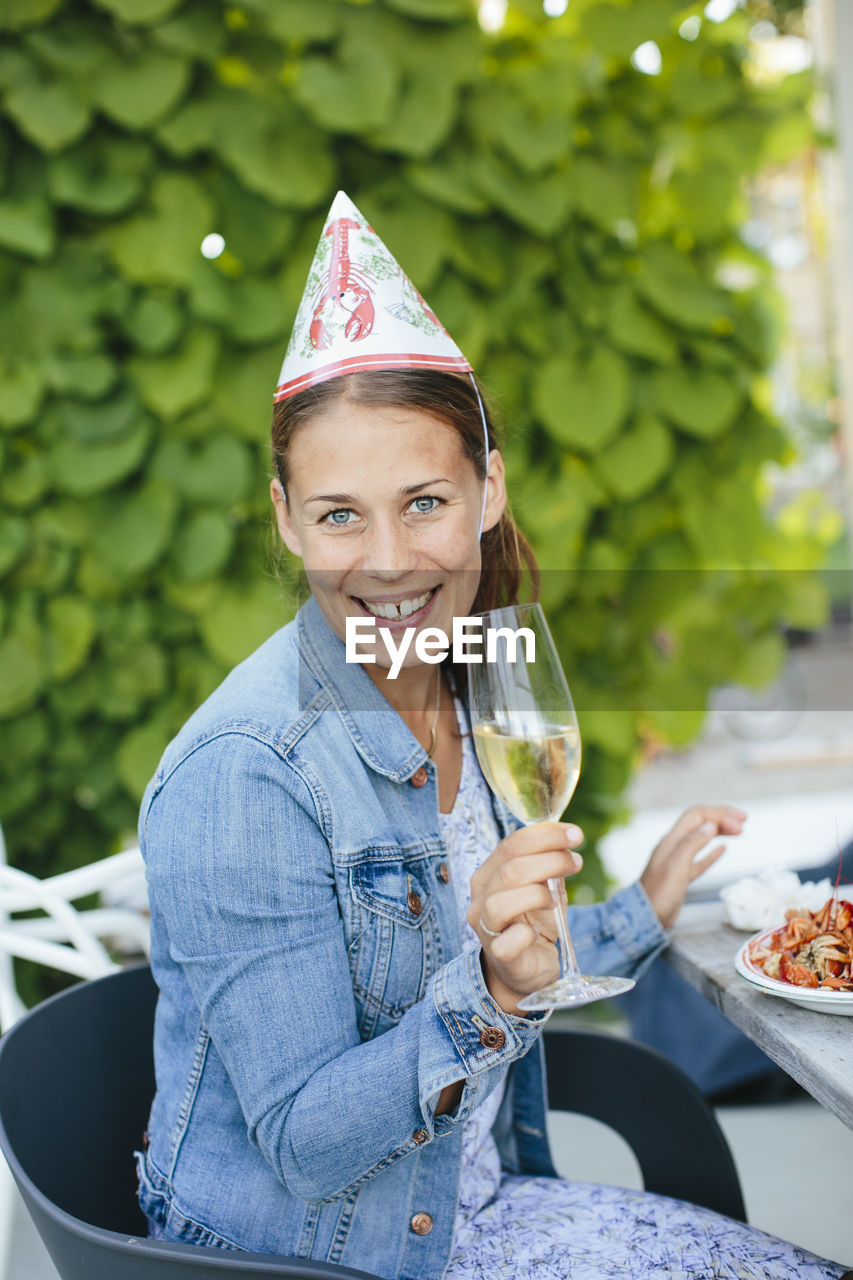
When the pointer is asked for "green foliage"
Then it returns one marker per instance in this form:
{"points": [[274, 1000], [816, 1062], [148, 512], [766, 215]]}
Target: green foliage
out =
{"points": [[569, 218]]}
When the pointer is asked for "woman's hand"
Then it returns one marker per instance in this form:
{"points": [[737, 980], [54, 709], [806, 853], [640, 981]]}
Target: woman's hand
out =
{"points": [[510, 898], [674, 865]]}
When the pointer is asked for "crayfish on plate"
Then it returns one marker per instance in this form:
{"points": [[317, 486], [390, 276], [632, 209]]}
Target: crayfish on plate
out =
{"points": [[811, 949]]}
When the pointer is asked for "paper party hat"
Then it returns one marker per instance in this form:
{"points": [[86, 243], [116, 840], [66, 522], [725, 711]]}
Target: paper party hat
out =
{"points": [[360, 311]]}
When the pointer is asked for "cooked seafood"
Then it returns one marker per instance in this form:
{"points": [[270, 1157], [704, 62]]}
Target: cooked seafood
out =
{"points": [[811, 949]]}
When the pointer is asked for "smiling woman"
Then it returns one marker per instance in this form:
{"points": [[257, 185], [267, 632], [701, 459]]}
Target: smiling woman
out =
{"points": [[344, 920]]}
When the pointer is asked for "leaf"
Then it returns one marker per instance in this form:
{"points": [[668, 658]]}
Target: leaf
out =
{"points": [[611, 730], [530, 134], [239, 619], [48, 113], [139, 753], [15, 542], [71, 629], [435, 10], [27, 226], [421, 119], [21, 668], [617, 29], [245, 385], [670, 282], [138, 11], [257, 312], [276, 152], [351, 90], [88, 376], [635, 330], [21, 392], [163, 243], [699, 401], [94, 423], [216, 471], [103, 176], [17, 14], [636, 460], [583, 401], [137, 91], [605, 190], [84, 469], [303, 20], [539, 204], [255, 231], [131, 536], [447, 183], [172, 384], [156, 322], [202, 547], [192, 32], [24, 481]]}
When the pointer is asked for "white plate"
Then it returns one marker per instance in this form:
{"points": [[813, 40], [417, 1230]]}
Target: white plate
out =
{"points": [[807, 997]]}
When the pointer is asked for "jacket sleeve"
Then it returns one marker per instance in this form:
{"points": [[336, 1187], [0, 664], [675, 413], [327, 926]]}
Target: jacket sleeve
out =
{"points": [[241, 877], [621, 936]]}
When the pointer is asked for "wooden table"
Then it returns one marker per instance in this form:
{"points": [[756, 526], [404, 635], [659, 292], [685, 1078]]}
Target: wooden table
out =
{"points": [[815, 1048]]}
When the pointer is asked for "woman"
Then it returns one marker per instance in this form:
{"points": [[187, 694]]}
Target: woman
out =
{"points": [[344, 919]]}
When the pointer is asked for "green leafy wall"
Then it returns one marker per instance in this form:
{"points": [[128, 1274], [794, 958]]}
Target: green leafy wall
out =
{"points": [[573, 222]]}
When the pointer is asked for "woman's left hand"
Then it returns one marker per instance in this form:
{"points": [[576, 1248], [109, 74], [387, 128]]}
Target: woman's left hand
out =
{"points": [[674, 864]]}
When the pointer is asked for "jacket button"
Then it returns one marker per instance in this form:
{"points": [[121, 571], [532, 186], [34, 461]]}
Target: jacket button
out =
{"points": [[414, 902], [443, 873], [419, 777], [420, 1136], [492, 1038], [422, 1224]]}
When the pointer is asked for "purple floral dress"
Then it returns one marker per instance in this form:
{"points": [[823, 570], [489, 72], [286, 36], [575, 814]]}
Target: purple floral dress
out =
{"points": [[525, 1228]]}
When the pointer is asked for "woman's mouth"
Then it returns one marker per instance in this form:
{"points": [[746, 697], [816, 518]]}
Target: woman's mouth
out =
{"points": [[410, 609]]}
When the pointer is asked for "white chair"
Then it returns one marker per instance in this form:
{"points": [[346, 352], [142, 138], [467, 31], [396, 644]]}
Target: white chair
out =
{"points": [[67, 939]]}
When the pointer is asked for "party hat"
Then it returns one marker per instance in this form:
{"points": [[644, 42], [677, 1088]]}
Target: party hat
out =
{"points": [[360, 311]]}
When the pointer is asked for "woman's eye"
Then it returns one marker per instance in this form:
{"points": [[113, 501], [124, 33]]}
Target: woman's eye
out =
{"points": [[425, 504], [339, 517]]}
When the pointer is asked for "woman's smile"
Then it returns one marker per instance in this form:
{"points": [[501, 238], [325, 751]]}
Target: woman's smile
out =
{"points": [[410, 610]]}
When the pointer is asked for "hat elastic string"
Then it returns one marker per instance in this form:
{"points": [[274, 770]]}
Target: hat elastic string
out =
{"points": [[486, 442]]}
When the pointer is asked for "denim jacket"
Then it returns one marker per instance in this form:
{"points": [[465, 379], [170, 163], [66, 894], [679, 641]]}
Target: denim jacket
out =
{"points": [[314, 997]]}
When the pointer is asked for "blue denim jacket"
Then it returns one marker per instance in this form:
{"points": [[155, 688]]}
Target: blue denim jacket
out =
{"points": [[314, 996]]}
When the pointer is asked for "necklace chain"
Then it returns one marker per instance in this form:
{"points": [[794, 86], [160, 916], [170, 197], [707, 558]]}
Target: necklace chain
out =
{"points": [[433, 738]]}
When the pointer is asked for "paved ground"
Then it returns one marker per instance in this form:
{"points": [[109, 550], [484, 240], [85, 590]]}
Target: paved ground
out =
{"points": [[789, 763]]}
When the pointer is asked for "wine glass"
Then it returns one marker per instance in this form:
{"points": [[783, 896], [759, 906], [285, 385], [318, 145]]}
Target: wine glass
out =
{"points": [[528, 743]]}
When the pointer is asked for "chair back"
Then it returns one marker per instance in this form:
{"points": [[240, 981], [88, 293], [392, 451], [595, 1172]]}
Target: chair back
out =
{"points": [[76, 1083]]}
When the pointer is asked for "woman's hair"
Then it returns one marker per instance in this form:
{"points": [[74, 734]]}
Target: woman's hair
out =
{"points": [[506, 555]]}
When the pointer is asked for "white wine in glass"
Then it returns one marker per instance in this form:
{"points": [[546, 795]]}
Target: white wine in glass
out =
{"points": [[528, 743]]}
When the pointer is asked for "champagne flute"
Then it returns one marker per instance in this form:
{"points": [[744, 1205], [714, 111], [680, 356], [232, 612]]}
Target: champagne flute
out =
{"points": [[528, 743]]}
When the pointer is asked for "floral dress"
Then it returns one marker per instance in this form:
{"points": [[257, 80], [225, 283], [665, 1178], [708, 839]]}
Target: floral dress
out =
{"points": [[511, 1227]]}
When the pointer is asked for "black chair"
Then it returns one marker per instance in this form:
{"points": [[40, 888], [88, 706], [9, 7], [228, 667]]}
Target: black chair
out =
{"points": [[76, 1082]]}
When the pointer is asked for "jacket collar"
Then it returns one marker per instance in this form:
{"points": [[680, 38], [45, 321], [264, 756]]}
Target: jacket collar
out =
{"points": [[378, 733]]}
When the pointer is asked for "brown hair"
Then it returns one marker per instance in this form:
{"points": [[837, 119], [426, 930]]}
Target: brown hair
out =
{"points": [[506, 553]]}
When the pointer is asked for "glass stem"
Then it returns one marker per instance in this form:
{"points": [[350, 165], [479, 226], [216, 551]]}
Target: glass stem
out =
{"points": [[568, 960]]}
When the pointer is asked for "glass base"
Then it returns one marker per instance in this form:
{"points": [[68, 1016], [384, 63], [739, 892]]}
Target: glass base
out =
{"points": [[568, 993]]}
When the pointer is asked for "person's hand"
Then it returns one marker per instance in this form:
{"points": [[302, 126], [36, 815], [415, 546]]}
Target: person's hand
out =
{"points": [[512, 909], [674, 864]]}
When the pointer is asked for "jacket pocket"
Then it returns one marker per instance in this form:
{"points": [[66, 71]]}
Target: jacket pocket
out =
{"points": [[395, 946]]}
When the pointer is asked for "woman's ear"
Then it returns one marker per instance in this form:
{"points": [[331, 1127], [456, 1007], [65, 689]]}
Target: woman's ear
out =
{"points": [[282, 518], [495, 490]]}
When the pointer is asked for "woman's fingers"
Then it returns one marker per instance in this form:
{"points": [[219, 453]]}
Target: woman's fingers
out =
{"points": [[697, 824], [535, 868], [701, 865], [500, 909], [540, 836]]}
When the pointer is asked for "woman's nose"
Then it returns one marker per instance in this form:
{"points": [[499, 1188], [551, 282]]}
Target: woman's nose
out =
{"points": [[387, 551]]}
